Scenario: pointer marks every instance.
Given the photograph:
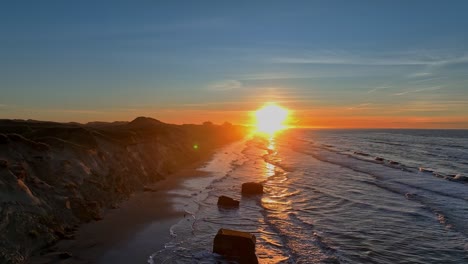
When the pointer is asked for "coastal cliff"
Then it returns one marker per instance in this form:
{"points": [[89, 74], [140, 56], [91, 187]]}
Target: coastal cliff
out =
{"points": [[55, 176]]}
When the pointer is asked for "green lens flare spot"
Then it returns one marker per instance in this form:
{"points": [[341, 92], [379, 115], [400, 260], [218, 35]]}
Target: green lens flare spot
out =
{"points": [[195, 146]]}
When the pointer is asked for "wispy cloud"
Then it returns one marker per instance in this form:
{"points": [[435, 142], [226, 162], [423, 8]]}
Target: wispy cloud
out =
{"points": [[419, 74], [218, 106], [191, 24], [363, 106], [158, 28], [379, 88], [5, 107], [420, 90], [274, 76], [427, 80], [450, 60], [347, 58], [226, 85], [297, 74], [74, 111], [430, 106]]}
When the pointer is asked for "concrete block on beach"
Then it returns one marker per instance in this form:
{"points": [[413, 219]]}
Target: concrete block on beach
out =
{"points": [[224, 201], [250, 188], [237, 244]]}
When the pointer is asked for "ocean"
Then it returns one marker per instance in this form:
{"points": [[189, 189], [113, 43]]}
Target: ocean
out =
{"points": [[332, 196]]}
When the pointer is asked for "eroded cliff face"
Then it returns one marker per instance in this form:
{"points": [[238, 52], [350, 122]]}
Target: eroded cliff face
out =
{"points": [[55, 176]]}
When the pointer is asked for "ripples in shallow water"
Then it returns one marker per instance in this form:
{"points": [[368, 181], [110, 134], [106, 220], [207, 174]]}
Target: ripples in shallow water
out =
{"points": [[321, 206]]}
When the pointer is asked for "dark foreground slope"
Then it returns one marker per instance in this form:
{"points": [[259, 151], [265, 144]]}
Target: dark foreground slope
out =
{"points": [[54, 176]]}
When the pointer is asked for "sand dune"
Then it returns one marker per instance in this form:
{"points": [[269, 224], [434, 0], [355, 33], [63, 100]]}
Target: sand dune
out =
{"points": [[55, 176]]}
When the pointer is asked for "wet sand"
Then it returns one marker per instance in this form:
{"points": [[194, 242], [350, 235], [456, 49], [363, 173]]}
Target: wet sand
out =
{"points": [[130, 233]]}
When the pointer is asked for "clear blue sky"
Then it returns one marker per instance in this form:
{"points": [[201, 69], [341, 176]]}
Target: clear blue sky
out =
{"points": [[394, 62]]}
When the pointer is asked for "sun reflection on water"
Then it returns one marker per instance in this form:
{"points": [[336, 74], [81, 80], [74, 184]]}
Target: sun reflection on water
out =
{"points": [[271, 143], [275, 201], [269, 169], [278, 189]]}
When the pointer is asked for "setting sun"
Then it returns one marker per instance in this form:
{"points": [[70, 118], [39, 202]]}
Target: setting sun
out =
{"points": [[271, 118]]}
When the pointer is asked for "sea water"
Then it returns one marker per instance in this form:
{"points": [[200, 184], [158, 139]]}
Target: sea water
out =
{"points": [[333, 196]]}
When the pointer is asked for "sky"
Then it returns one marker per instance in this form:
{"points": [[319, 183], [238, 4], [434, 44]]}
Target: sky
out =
{"points": [[344, 64]]}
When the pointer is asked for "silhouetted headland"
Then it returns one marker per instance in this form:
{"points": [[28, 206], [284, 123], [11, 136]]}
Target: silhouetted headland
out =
{"points": [[56, 176]]}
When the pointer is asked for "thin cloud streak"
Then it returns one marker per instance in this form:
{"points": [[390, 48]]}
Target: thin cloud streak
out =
{"points": [[273, 76], [427, 106], [391, 60], [420, 90], [226, 85], [379, 88], [346, 61], [419, 74], [74, 111], [363, 106], [427, 80]]}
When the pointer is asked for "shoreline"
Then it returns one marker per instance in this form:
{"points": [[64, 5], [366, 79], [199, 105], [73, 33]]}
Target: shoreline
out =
{"points": [[146, 216]]}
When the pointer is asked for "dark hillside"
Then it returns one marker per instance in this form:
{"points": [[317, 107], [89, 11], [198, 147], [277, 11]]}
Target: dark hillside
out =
{"points": [[55, 176]]}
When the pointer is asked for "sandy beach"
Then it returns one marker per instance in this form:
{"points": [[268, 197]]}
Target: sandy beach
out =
{"points": [[130, 233]]}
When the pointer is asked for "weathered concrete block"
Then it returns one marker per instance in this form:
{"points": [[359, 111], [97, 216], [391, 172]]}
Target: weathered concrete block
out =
{"points": [[252, 188], [238, 244], [224, 201]]}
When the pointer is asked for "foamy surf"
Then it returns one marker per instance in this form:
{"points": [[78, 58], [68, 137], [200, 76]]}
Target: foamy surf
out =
{"points": [[328, 205]]}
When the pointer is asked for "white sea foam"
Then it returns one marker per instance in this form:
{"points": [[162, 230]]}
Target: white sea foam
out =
{"points": [[332, 205]]}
